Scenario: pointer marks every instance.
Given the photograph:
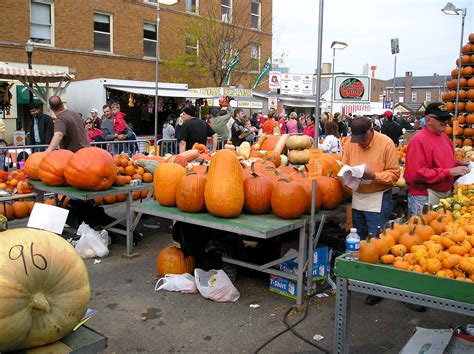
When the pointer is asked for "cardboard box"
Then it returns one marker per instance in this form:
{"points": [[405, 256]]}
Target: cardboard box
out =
{"points": [[286, 287], [320, 264]]}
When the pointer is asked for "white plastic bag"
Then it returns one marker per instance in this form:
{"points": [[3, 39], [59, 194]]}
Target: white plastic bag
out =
{"points": [[467, 178], [92, 243], [177, 282], [215, 285]]}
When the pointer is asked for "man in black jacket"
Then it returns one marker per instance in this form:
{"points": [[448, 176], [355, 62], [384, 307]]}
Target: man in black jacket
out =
{"points": [[42, 127], [390, 128]]}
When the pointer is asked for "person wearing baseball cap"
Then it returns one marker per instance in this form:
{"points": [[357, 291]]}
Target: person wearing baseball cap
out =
{"points": [[391, 128], [96, 121], [430, 166], [194, 130]]}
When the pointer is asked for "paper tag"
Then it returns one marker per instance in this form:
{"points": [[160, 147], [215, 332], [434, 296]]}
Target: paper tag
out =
{"points": [[48, 217], [455, 127], [314, 165]]}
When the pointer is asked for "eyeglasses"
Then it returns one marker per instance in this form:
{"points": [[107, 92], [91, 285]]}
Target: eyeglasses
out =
{"points": [[88, 122]]}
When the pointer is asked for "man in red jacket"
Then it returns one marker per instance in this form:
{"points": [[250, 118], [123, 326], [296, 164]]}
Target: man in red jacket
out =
{"points": [[430, 164]]}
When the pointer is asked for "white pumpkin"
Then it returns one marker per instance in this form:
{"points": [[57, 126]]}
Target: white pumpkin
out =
{"points": [[44, 288], [299, 142]]}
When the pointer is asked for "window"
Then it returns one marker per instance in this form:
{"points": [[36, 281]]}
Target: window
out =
{"points": [[149, 40], [102, 33], [428, 96], [255, 10], [226, 11], [192, 6], [192, 46], [401, 90], [413, 96], [41, 21], [255, 57]]}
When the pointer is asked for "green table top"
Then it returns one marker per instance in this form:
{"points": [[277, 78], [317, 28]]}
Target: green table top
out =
{"points": [[88, 195], [260, 226]]}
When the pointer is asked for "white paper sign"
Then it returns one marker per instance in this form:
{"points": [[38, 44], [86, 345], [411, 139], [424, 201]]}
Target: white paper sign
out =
{"points": [[297, 84], [274, 80], [48, 217]]}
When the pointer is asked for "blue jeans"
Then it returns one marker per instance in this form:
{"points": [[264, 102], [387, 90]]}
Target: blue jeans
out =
{"points": [[367, 221], [415, 204]]}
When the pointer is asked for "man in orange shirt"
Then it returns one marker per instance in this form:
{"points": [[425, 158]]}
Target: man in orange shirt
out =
{"points": [[270, 124]]}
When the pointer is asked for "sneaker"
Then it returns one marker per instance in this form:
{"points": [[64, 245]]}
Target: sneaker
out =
{"points": [[372, 300], [416, 308]]}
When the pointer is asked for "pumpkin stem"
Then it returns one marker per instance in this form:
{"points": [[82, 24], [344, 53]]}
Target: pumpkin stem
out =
{"points": [[379, 231], [39, 302], [426, 208], [412, 232]]}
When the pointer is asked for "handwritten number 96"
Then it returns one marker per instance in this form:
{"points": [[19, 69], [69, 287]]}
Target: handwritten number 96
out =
{"points": [[18, 252]]}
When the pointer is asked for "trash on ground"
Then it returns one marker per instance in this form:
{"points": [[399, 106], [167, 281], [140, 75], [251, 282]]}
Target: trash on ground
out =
{"points": [[318, 337], [254, 306], [97, 261]]}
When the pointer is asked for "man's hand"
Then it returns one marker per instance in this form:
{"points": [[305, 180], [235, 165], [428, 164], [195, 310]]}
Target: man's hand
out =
{"points": [[459, 171], [463, 162], [368, 174]]}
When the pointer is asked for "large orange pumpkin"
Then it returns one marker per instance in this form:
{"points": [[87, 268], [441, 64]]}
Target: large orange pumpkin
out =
{"points": [[165, 182], [91, 169], [288, 199], [308, 188], [51, 167], [258, 194], [171, 260], [332, 192], [32, 164], [224, 192], [190, 193]]}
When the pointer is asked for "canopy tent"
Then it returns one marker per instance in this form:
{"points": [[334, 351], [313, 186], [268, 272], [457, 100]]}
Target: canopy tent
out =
{"points": [[35, 77], [150, 91]]}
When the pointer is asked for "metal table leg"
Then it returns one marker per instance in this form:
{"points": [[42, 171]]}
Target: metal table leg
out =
{"points": [[301, 261], [128, 216], [341, 322]]}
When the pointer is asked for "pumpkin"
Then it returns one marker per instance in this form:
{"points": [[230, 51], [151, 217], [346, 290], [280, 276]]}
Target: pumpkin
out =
{"points": [[467, 70], [224, 191], [398, 250], [387, 259], [44, 288], [332, 192], [257, 193], [470, 118], [120, 197], [470, 93], [368, 251], [288, 199], [30, 205], [449, 106], [400, 264], [308, 188], [448, 130], [433, 265], [7, 210], [143, 193], [329, 165], [99, 201], [110, 199], [470, 106], [190, 193], [165, 182], [273, 157], [20, 210], [468, 132], [171, 260], [31, 167], [52, 166], [299, 142], [298, 157]]}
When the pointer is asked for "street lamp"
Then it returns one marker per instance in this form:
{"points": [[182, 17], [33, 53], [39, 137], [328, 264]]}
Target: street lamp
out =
{"points": [[157, 59], [395, 50], [29, 47], [335, 45], [450, 9]]}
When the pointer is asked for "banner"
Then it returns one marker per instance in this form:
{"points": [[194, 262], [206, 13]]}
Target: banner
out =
{"points": [[233, 64], [274, 80], [297, 84], [351, 88], [265, 70]]}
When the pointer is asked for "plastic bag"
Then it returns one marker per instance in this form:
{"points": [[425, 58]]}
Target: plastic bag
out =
{"points": [[215, 285], [177, 282], [467, 178], [92, 243]]}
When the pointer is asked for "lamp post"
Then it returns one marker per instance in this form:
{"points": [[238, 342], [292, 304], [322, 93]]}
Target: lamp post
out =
{"points": [[335, 45], [450, 9], [395, 51], [157, 59], [29, 52]]}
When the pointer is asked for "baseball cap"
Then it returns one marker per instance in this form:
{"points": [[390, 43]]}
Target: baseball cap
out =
{"points": [[387, 114], [214, 112], [190, 110], [94, 110], [359, 127], [438, 109]]}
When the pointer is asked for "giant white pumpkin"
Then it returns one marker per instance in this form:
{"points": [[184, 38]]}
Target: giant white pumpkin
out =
{"points": [[44, 288]]}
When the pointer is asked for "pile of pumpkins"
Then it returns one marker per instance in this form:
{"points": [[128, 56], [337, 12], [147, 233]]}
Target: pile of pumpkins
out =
{"points": [[431, 243], [229, 186], [17, 210], [465, 106]]}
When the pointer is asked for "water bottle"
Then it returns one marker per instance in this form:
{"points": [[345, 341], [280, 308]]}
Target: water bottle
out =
{"points": [[353, 244]]}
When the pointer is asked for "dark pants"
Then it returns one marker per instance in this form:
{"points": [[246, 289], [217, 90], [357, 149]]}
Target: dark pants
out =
{"points": [[367, 222]]}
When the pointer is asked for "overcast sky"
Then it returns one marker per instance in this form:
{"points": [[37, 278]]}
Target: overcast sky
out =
{"points": [[429, 39]]}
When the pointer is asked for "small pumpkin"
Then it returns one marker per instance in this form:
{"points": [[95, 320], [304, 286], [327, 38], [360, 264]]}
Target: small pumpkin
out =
{"points": [[387, 258], [20, 209], [398, 250], [368, 251], [171, 260]]}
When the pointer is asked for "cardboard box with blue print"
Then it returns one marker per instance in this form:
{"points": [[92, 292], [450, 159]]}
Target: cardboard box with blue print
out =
{"points": [[320, 264], [286, 287]]}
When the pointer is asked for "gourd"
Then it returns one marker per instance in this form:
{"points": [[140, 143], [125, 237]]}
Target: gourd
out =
{"points": [[44, 288], [165, 182], [299, 142], [51, 167], [91, 169], [190, 193], [31, 167], [224, 191], [171, 260], [298, 157]]}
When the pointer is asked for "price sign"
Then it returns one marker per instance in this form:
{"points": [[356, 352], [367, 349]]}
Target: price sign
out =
{"points": [[314, 166]]}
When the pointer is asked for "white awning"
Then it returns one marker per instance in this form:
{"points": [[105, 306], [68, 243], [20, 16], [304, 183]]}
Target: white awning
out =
{"points": [[150, 91]]}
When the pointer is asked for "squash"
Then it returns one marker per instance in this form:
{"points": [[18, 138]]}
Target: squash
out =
{"points": [[299, 142], [269, 143], [171, 260], [51, 167], [91, 169], [165, 182], [244, 149], [190, 193], [288, 199], [224, 191], [258, 145], [44, 288], [298, 157], [31, 167]]}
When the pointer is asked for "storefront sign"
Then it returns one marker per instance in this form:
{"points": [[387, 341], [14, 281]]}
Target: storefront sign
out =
{"points": [[274, 80], [297, 84], [250, 104], [352, 88], [222, 91]]}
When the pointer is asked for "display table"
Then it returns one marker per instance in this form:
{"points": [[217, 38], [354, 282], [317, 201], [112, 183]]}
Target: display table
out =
{"points": [[75, 193], [258, 226], [385, 281]]}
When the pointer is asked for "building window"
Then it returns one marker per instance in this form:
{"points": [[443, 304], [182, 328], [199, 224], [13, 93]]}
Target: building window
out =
{"points": [[102, 33], [413, 96], [226, 11], [428, 96], [41, 21], [149, 40], [401, 90], [256, 8], [255, 57], [192, 46], [192, 6]]}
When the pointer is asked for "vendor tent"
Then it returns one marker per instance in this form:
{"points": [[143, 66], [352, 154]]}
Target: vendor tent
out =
{"points": [[35, 77]]}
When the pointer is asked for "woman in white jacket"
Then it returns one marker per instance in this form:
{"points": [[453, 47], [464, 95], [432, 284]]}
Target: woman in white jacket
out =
{"points": [[331, 143]]}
